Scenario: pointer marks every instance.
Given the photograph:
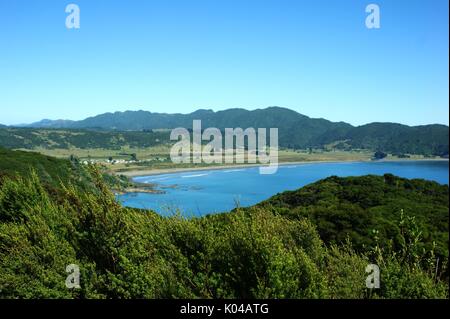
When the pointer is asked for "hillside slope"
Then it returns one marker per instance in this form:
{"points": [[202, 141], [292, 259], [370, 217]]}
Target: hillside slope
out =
{"points": [[124, 253], [295, 130], [27, 138], [369, 208], [397, 138], [51, 171]]}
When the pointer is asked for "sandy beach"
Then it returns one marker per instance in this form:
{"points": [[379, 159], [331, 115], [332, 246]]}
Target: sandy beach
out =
{"points": [[136, 173]]}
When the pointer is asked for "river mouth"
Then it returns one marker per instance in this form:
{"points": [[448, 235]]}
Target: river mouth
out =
{"points": [[201, 192]]}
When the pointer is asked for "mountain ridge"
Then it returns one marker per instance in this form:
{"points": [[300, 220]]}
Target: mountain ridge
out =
{"points": [[295, 129], [87, 122]]}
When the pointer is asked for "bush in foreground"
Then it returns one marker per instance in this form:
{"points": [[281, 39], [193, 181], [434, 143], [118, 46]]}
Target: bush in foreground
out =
{"points": [[126, 253]]}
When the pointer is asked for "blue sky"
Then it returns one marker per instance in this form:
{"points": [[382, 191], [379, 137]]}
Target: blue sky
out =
{"points": [[314, 56]]}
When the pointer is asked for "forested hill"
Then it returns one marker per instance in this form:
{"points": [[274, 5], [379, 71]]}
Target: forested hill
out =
{"points": [[397, 138], [265, 252], [291, 246], [52, 172], [369, 208], [28, 138], [295, 130]]}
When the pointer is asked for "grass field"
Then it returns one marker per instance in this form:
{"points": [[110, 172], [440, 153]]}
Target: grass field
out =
{"points": [[158, 157], [104, 154]]}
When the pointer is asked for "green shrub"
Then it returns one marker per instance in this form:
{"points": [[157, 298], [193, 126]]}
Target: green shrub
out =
{"points": [[249, 253]]}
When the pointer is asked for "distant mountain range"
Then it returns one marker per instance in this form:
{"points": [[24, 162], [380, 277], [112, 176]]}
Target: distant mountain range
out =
{"points": [[50, 124], [295, 130]]}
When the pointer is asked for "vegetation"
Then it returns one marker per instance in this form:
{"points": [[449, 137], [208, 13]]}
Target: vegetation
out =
{"points": [[368, 210], [25, 138], [379, 155], [261, 252], [402, 139], [296, 131], [53, 172]]}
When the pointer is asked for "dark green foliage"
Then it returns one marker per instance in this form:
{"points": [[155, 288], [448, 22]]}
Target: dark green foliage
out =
{"points": [[117, 182], [254, 253], [26, 138], [129, 254], [51, 171], [311, 243], [295, 131], [354, 207], [397, 138], [379, 155]]}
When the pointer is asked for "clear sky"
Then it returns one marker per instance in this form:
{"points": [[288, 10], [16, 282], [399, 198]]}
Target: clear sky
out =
{"points": [[314, 56]]}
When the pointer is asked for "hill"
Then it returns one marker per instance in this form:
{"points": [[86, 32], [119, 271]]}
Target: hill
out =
{"points": [[51, 171], [369, 208], [143, 120], [26, 138], [400, 139], [253, 254], [46, 123], [295, 130]]}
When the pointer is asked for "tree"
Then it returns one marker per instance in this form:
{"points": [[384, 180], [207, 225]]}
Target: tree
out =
{"points": [[379, 155]]}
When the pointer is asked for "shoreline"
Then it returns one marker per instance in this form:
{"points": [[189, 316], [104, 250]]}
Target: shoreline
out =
{"points": [[161, 171]]}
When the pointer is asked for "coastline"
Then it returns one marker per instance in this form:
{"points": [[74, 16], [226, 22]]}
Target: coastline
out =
{"points": [[151, 172]]}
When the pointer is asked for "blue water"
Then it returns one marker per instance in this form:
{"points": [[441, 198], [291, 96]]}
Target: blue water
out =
{"points": [[211, 191]]}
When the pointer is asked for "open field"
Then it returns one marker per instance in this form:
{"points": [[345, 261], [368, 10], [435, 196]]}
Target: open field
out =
{"points": [[284, 156], [105, 154], [158, 153], [156, 159]]}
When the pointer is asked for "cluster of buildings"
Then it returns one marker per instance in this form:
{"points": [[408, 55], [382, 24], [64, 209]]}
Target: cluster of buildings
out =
{"points": [[111, 161]]}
